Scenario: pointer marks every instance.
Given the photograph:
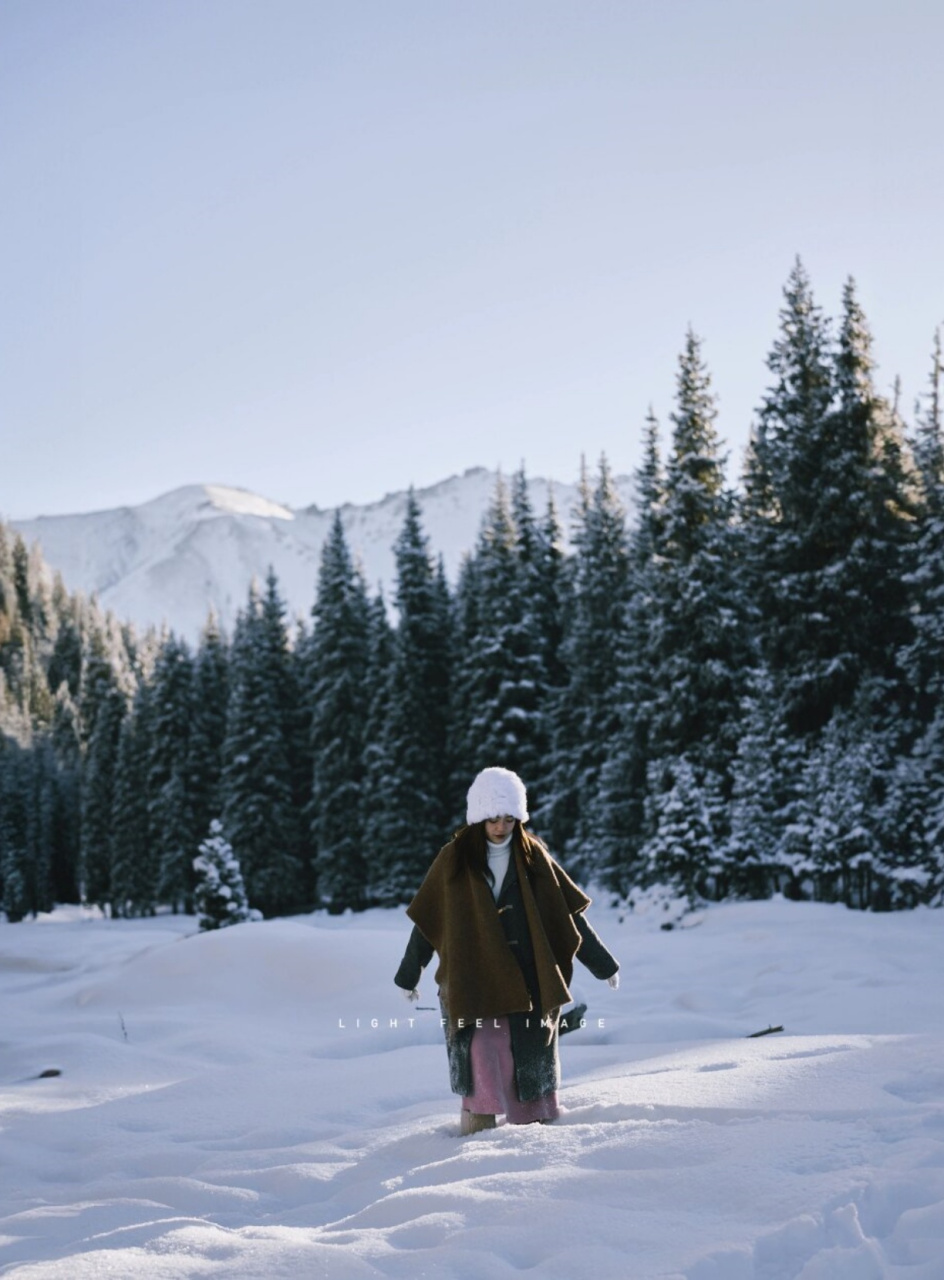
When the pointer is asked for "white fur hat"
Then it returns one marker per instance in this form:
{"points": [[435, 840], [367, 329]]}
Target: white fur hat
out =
{"points": [[496, 792]]}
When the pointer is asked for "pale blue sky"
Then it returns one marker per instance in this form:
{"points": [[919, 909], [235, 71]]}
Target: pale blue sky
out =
{"points": [[324, 250]]}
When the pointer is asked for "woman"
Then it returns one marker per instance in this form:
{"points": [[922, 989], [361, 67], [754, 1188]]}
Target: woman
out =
{"points": [[506, 922]]}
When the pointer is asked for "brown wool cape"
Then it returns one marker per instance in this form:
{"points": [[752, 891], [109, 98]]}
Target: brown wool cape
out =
{"points": [[478, 974]]}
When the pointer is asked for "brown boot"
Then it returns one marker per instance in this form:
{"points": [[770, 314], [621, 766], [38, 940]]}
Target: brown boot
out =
{"points": [[473, 1121]]}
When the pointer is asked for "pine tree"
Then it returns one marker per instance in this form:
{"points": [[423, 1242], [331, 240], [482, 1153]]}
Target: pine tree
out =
{"points": [[783, 489], [547, 595], [27, 827], [696, 637], [67, 750], [379, 764], [550, 593], [135, 871], [301, 763], [338, 692], [65, 663], [682, 853], [412, 794], [210, 695], [827, 534], [620, 813], [288, 681], [21, 583], [841, 773], [24, 639], [761, 854], [14, 837], [913, 810], [98, 780], [924, 657], [587, 713], [543, 578], [501, 708], [830, 549], [467, 613], [106, 684], [170, 818], [259, 813], [929, 442], [43, 822], [6, 582], [932, 825], [219, 894], [881, 534]]}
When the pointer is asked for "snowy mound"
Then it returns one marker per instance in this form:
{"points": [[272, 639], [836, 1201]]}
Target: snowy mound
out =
{"points": [[262, 1102]]}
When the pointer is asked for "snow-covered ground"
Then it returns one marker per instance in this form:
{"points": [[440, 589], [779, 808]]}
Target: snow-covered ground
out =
{"points": [[221, 1112]]}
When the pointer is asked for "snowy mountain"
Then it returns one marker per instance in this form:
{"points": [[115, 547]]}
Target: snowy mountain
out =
{"points": [[173, 559]]}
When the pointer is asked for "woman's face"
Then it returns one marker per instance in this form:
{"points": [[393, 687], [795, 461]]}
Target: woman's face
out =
{"points": [[499, 829]]}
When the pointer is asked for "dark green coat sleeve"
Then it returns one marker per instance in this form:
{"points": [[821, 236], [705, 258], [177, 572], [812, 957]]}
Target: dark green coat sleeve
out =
{"points": [[417, 956], [592, 951]]}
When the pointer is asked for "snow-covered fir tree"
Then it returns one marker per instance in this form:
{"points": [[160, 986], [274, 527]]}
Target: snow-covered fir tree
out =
{"points": [[14, 853], [104, 708], [406, 807], [885, 501], [65, 662], [586, 714], [697, 641], [682, 854], [210, 695], [378, 765], [620, 814], [509, 670], [696, 633], [828, 524], [25, 624], [67, 753], [219, 895], [170, 800], [924, 657], [259, 812], [498, 660], [783, 517], [134, 868], [829, 550], [28, 818], [837, 816], [338, 692], [762, 852], [288, 679], [66, 675], [914, 807], [544, 594]]}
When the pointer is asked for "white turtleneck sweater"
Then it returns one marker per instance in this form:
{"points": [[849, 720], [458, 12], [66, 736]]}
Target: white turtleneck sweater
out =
{"points": [[498, 857]]}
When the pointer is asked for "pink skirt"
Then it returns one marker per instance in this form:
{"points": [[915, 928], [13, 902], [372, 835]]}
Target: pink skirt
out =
{"points": [[493, 1078]]}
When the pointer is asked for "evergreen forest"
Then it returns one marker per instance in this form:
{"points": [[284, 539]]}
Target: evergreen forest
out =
{"points": [[732, 690]]}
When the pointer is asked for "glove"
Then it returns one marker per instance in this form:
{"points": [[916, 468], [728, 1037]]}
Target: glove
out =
{"points": [[412, 996], [613, 981]]}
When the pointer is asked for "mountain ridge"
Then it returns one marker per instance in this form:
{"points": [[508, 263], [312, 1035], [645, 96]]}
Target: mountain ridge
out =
{"points": [[170, 560]]}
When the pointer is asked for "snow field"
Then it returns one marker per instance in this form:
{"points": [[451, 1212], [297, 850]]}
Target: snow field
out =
{"points": [[220, 1112]]}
